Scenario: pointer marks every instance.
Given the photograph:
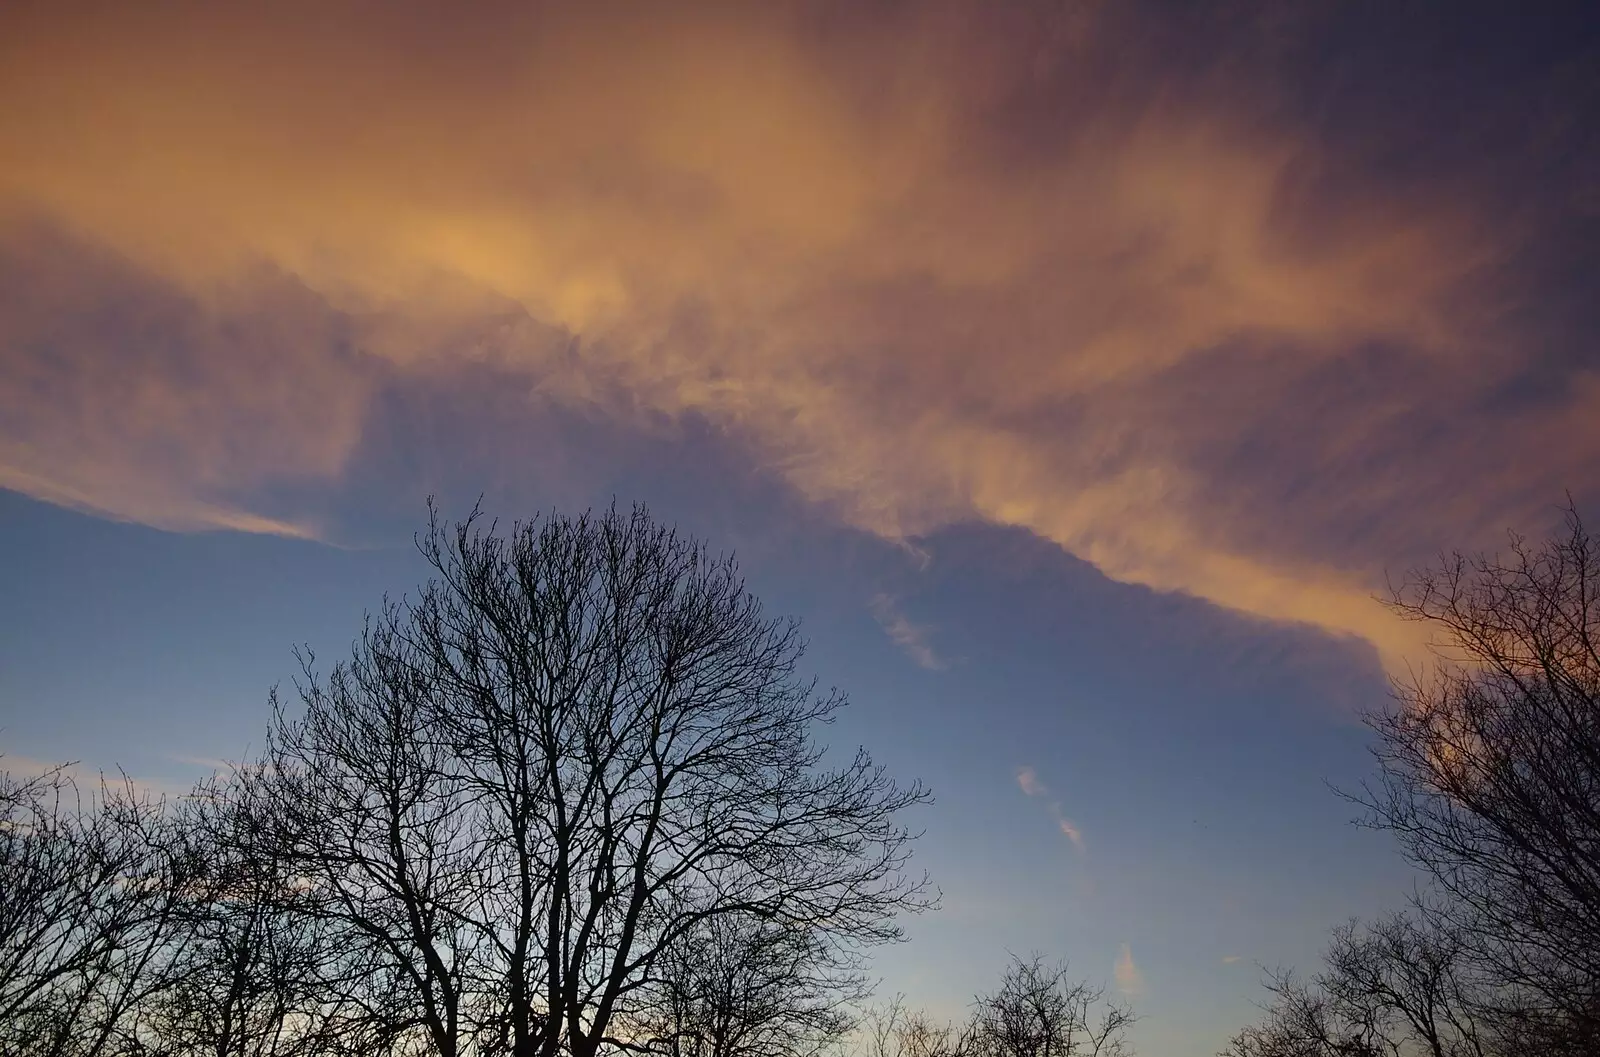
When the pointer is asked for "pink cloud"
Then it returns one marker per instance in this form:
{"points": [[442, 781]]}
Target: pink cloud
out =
{"points": [[1130, 981], [1029, 782]]}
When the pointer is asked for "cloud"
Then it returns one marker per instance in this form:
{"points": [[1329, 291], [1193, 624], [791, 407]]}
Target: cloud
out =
{"points": [[927, 267], [1068, 829], [1230, 959], [1130, 981], [205, 763], [1028, 781], [910, 637], [88, 781], [29, 767], [126, 395]]}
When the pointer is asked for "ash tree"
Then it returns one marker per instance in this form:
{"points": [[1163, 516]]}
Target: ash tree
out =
{"points": [[581, 746]]}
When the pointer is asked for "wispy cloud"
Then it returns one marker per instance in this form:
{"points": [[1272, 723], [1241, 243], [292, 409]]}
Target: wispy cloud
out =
{"points": [[913, 638], [29, 767], [88, 780], [1136, 341], [1130, 981], [1230, 959], [1068, 829], [1029, 782], [206, 763]]}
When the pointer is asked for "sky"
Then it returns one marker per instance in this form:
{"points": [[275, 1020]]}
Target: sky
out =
{"points": [[1078, 373]]}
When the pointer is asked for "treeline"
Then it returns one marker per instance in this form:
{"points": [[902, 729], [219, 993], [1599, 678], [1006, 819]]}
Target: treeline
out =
{"points": [[1490, 780], [566, 800]]}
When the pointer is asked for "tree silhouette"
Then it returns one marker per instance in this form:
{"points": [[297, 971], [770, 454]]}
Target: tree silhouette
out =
{"points": [[743, 986], [1040, 1011], [91, 890], [580, 746], [1491, 765]]}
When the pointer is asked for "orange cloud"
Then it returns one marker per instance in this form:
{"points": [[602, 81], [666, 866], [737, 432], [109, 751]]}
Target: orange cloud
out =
{"points": [[126, 396], [1130, 981], [807, 228]]}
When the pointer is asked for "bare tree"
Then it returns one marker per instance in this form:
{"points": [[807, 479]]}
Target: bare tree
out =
{"points": [[580, 746], [1491, 765], [1491, 780], [1040, 1011], [1396, 987], [90, 888], [896, 1030], [255, 973], [1300, 1021], [741, 986], [358, 803]]}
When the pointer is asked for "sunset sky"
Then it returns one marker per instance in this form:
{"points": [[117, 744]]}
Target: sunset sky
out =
{"points": [[1076, 372]]}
